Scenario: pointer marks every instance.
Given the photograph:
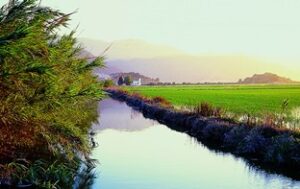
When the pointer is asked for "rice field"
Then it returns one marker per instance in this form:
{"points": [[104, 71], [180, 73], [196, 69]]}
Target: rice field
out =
{"points": [[239, 99]]}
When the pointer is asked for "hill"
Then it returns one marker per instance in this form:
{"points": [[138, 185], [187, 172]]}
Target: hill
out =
{"points": [[135, 76], [172, 65], [266, 78]]}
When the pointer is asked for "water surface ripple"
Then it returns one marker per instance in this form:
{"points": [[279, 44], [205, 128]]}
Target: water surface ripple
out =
{"points": [[139, 153]]}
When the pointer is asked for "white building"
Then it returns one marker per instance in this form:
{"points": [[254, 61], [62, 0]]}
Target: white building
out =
{"points": [[137, 82]]}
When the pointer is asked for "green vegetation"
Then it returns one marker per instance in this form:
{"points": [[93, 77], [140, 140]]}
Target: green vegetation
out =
{"points": [[47, 95], [128, 80], [108, 83], [239, 99], [121, 81]]}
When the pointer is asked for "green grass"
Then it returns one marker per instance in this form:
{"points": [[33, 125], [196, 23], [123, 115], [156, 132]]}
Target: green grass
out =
{"points": [[239, 99]]}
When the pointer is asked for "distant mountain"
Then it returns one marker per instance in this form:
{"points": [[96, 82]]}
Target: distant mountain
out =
{"points": [[172, 65], [135, 76], [266, 78], [188, 68]]}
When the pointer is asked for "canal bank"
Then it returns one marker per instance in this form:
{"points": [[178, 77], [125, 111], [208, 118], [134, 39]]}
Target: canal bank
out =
{"points": [[272, 149], [135, 152]]}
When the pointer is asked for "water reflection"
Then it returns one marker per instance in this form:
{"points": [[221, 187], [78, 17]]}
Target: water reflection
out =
{"points": [[151, 156], [116, 115], [86, 175]]}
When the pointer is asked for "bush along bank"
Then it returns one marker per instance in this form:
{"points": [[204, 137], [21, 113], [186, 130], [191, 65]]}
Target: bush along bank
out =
{"points": [[274, 149], [48, 98]]}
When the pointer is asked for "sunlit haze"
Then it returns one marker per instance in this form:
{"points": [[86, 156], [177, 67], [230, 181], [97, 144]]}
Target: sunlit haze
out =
{"points": [[150, 94], [266, 30]]}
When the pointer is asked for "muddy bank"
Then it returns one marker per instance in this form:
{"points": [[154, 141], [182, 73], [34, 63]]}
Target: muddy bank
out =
{"points": [[269, 148]]}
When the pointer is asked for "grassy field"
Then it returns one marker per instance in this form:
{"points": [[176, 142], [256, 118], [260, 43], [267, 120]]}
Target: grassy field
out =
{"points": [[239, 99]]}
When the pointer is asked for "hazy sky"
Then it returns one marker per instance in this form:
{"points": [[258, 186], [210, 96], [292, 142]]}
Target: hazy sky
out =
{"points": [[268, 29], [260, 27]]}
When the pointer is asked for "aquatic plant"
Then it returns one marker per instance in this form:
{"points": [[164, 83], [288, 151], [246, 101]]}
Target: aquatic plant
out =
{"points": [[40, 173], [295, 114], [207, 110], [161, 101], [48, 93], [235, 136], [280, 149], [215, 132], [253, 144]]}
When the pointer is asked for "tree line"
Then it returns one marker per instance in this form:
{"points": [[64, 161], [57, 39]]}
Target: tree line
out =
{"points": [[127, 80]]}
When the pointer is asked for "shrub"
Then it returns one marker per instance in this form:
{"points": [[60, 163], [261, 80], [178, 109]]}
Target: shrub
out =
{"points": [[235, 136], [40, 173], [295, 154], [253, 144], [215, 132], [249, 119], [269, 119], [162, 101], [138, 96], [108, 83], [267, 132], [207, 110], [197, 125], [280, 149]]}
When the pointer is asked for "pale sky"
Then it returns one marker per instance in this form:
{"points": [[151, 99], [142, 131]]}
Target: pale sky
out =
{"points": [[267, 29]]}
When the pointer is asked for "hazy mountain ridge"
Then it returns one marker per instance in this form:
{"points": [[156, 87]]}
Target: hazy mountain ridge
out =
{"points": [[266, 78], [172, 65], [190, 68], [135, 76]]}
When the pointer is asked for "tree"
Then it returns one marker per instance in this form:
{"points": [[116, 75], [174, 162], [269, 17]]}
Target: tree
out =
{"points": [[128, 80], [121, 80], [108, 83]]}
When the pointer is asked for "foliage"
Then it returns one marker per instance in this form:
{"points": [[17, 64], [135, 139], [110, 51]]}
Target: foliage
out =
{"points": [[47, 92], [235, 136], [280, 149], [121, 81], [215, 132], [43, 174], [207, 110], [253, 143], [128, 80], [108, 83], [162, 101]]}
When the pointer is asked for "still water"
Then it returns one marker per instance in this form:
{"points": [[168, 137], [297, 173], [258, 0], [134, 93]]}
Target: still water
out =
{"points": [[139, 153]]}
